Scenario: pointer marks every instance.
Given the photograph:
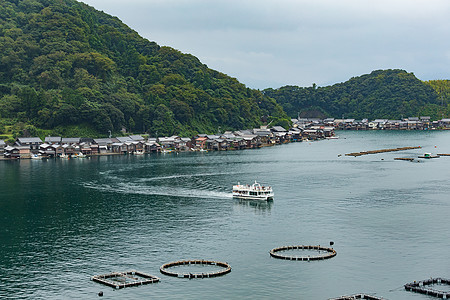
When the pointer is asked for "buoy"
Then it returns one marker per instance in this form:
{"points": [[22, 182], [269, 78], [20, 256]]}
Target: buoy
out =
{"points": [[100, 294], [331, 243]]}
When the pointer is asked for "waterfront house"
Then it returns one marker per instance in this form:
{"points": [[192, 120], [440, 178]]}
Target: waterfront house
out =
{"points": [[70, 149], [328, 131], [46, 150], [138, 146], [295, 134], [413, 124], [12, 152], [152, 146], [16, 151], [183, 144], [122, 144], [2, 147], [88, 149], [339, 123], [104, 145], [311, 134], [328, 121], [167, 142], [32, 143], [377, 123], [118, 147], [445, 123], [264, 136], [200, 142]]}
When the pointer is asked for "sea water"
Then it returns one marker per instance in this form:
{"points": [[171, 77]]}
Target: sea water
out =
{"points": [[63, 221]]}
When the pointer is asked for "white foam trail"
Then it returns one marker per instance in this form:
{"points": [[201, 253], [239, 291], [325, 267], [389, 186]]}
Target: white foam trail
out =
{"points": [[126, 188]]}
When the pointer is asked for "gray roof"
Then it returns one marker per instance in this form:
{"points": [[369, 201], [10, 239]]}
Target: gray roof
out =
{"points": [[124, 139], [2, 143], [27, 140], [262, 133], [70, 140], [166, 140], [53, 139], [278, 129], [137, 138], [103, 141]]}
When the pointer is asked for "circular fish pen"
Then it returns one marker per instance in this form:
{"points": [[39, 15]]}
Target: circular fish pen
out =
{"points": [[225, 268], [327, 253]]}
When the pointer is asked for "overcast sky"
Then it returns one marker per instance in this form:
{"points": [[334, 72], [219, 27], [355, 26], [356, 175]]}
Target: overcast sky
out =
{"points": [[271, 43]]}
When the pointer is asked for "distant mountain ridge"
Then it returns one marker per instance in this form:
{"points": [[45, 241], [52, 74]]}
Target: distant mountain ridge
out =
{"points": [[73, 70], [380, 94]]}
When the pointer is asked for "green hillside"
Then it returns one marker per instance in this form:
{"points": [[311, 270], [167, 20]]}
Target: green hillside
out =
{"points": [[381, 94], [70, 69]]}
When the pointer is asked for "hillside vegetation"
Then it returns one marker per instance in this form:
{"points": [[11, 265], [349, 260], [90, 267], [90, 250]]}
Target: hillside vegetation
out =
{"points": [[69, 69], [389, 94]]}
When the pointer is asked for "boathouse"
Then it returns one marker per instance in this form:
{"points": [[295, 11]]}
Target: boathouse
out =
{"points": [[2, 147], [32, 143]]}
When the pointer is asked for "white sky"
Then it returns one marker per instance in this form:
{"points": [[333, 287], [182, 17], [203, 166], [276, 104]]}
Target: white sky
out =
{"points": [[272, 43]]}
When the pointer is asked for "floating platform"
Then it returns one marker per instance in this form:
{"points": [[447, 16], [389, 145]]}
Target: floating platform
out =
{"points": [[330, 252], [381, 151], [421, 287], [357, 296], [428, 156], [404, 158], [165, 268], [119, 280]]}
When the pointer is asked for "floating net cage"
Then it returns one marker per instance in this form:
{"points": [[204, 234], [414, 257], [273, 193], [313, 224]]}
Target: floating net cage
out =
{"points": [[191, 268], [436, 287], [119, 280], [306, 253], [357, 296]]}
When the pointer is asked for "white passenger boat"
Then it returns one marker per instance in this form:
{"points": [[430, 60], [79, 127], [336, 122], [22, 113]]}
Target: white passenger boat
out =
{"points": [[252, 192]]}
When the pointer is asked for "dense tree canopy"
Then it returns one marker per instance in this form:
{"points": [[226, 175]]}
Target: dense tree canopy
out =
{"points": [[380, 94], [62, 63]]}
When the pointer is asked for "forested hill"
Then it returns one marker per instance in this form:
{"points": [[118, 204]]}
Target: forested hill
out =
{"points": [[380, 94], [66, 66]]}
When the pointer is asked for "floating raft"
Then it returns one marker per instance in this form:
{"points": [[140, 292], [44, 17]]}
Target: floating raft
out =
{"points": [[404, 158], [330, 252], [381, 151], [429, 156], [357, 296], [226, 268], [420, 287], [119, 280]]}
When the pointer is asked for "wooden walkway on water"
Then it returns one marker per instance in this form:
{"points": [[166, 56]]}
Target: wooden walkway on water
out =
{"points": [[355, 154]]}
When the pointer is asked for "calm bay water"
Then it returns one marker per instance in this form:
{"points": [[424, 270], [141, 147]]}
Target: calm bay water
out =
{"points": [[63, 221]]}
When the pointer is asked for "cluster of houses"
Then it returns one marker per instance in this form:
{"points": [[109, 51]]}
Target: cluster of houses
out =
{"points": [[413, 123], [303, 129], [30, 147]]}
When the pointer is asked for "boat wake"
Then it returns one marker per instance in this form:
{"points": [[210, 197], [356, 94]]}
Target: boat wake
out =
{"points": [[127, 188]]}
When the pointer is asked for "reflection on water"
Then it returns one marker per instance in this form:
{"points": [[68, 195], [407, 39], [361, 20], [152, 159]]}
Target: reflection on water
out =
{"points": [[257, 205]]}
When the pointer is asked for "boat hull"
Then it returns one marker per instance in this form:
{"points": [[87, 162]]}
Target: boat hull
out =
{"points": [[261, 198]]}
